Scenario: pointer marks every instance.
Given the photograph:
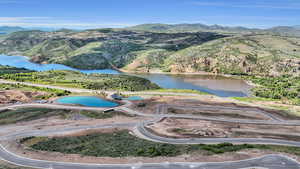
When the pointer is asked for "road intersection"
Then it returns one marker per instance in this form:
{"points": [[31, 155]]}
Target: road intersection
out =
{"points": [[269, 161]]}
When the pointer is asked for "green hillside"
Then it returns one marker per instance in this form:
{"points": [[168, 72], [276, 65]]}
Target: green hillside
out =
{"points": [[178, 52]]}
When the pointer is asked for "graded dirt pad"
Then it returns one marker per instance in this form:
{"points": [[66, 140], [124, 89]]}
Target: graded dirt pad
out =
{"points": [[53, 123], [150, 105], [12, 96], [188, 128], [206, 106], [207, 110]]}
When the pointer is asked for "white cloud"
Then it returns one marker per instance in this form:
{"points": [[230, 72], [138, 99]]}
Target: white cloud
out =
{"points": [[286, 5], [55, 22]]}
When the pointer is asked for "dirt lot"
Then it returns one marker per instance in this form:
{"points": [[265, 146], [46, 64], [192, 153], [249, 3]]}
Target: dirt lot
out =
{"points": [[206, 106], [188, 128], [13, 96], [54, 122]]}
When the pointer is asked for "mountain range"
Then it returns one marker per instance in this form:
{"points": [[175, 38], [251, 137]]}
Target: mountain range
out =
{"points": [[281, 30], [10, 29]]}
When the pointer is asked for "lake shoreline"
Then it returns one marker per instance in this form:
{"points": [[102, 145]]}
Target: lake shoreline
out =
{"points": [[218, 84]]}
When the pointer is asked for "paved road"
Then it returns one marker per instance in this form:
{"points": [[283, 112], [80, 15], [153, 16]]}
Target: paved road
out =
{"points": [[142, 131], [270, 161], [162, 109]]}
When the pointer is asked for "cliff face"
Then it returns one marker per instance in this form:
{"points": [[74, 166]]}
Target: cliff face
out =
{"points": [[159, 52]]}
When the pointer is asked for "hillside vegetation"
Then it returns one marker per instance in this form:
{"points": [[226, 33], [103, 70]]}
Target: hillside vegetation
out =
{"points": [[285, 88], [95, 49], [240, 55], [242, 52], [123, 144], [9, 69], [79, 80]]}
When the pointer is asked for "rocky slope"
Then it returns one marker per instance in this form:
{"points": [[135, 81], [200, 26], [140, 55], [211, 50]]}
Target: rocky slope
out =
{"points": [[129, 50], [255, 54]]}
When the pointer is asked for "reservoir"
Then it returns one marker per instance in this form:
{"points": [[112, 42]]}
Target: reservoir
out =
{"points": [[217, 85]]}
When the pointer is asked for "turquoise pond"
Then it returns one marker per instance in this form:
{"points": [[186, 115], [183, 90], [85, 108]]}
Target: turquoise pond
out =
{"points": [[90, 101], [134, 98]]}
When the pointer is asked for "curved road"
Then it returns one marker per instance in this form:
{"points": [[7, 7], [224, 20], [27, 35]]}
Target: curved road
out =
{"points": [[269, 161]]}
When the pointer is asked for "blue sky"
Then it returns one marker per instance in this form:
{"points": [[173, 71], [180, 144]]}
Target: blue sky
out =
{"points": [[122, 13]]}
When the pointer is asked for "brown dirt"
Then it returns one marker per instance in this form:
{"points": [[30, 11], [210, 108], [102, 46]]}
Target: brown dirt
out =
{"points": [[12, 96], [56, 122], [242, 111], [91, 131], [187, 128]]}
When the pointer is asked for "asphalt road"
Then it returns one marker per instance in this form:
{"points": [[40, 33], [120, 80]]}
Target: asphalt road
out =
{"points": [[269, 161], [150, 136]]}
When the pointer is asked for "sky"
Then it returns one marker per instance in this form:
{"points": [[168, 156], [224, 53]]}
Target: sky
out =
{"points": [[123, 13]]}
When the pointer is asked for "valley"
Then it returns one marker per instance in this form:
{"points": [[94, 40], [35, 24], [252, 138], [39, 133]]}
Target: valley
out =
{"points": [[142, 51], [124, 98]]}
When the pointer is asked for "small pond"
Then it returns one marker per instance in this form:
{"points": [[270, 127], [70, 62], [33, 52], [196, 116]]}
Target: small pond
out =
{"points": [[134, 98], [89, 101]]}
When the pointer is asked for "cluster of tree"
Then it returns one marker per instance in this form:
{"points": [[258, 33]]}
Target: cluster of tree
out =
{"points": [[281, 87], [9, 69], [80, 80]]}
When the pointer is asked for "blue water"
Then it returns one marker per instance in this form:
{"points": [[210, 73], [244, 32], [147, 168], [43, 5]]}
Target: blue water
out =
{"points": [[23, 62], [178, 82], [163, 80], [134, 98], [89, 101]]}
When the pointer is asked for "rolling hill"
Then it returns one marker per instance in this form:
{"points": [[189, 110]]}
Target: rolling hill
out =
{"points": [[244, 51]]}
